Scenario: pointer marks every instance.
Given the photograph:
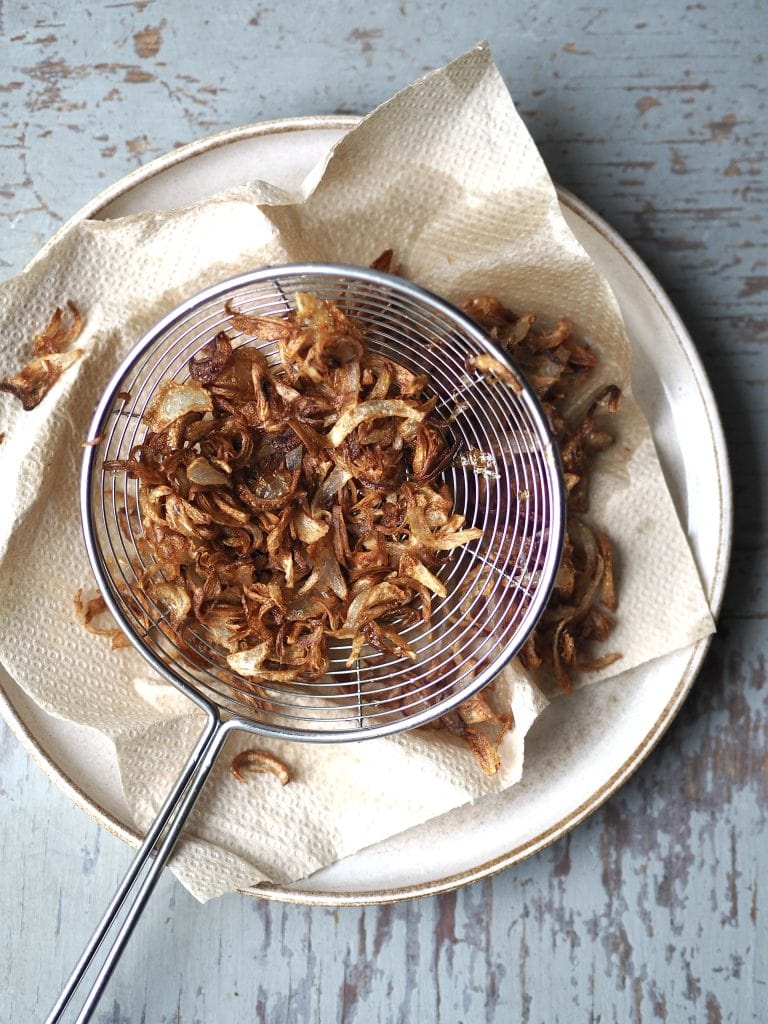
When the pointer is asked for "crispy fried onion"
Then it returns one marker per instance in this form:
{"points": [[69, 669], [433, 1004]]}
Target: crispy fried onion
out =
{"points": [[52, 356], [479, 727], [580, 613], [285, 507], [259, 762], [93, 611]]}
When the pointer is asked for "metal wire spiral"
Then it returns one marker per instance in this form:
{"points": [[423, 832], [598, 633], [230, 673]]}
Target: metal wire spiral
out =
{"points": [[506, 481]]}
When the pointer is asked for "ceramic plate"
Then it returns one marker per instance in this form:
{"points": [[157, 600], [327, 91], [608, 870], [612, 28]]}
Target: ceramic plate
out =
{"points": [[581, 749]]}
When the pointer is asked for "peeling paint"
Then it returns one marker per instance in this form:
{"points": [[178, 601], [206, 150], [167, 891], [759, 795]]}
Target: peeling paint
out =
{"points": [[135, 75], [572, 48], [138, 146], [723, 129], [646, 103], [753, 286], [148, 41], [366, 37]]}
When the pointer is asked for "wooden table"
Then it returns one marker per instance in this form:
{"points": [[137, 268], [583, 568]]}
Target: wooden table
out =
{"points": [[655, 908]]}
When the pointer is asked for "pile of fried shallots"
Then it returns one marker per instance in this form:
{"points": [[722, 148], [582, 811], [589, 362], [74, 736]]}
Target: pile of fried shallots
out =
{"points": [[285, 506], [580, 611]]}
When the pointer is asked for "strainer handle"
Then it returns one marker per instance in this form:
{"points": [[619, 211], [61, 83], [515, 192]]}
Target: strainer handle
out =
{"points": [[134, 891]]}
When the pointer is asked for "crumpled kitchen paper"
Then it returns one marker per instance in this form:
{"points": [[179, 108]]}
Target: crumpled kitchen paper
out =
{"points": [[447, 175]]}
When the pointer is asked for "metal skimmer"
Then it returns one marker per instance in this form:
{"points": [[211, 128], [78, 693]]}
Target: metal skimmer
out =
{"points": [[505, 480]]}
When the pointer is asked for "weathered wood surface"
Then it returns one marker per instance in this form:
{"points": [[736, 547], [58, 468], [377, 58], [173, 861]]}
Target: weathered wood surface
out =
{"points": [[655, 909]]}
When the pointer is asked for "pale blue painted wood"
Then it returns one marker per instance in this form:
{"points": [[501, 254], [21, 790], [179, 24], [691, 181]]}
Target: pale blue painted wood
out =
{"points": [[655, 909]]}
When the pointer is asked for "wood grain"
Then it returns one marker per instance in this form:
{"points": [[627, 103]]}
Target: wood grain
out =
{"points": [[655, 908]]}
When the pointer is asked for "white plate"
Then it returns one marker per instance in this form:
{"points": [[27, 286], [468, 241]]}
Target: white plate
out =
{"points": [[582, 748]]}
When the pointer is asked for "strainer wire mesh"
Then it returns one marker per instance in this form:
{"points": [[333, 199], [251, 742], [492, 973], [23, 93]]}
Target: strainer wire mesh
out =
{"points": [[507, 481]]}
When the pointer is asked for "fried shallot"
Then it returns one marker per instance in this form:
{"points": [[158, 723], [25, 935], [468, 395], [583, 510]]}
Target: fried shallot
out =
{"points": [[90, 612], [261, 763], [51, 357]]}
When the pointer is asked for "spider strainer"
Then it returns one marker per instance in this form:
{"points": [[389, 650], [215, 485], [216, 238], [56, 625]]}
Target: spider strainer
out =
{"points": [[506, 480]]}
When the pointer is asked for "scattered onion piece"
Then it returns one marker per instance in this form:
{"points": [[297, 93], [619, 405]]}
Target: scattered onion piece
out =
{"points": [[368, 411], [410, 566], [203, 473], [491, 366], [33, 382], [206, 365], [386, 262], [88, 611], [55, 337], [175, 400], [266, 328], [248, 662], [174, 602], [259, 762], [308, 530], [473, 722]]}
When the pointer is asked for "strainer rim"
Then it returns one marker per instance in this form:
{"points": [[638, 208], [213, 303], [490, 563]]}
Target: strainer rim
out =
{"points": [[415, 292]]}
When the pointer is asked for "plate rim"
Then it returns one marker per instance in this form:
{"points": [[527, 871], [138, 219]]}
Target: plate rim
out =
{"points": [[308, 897]]}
